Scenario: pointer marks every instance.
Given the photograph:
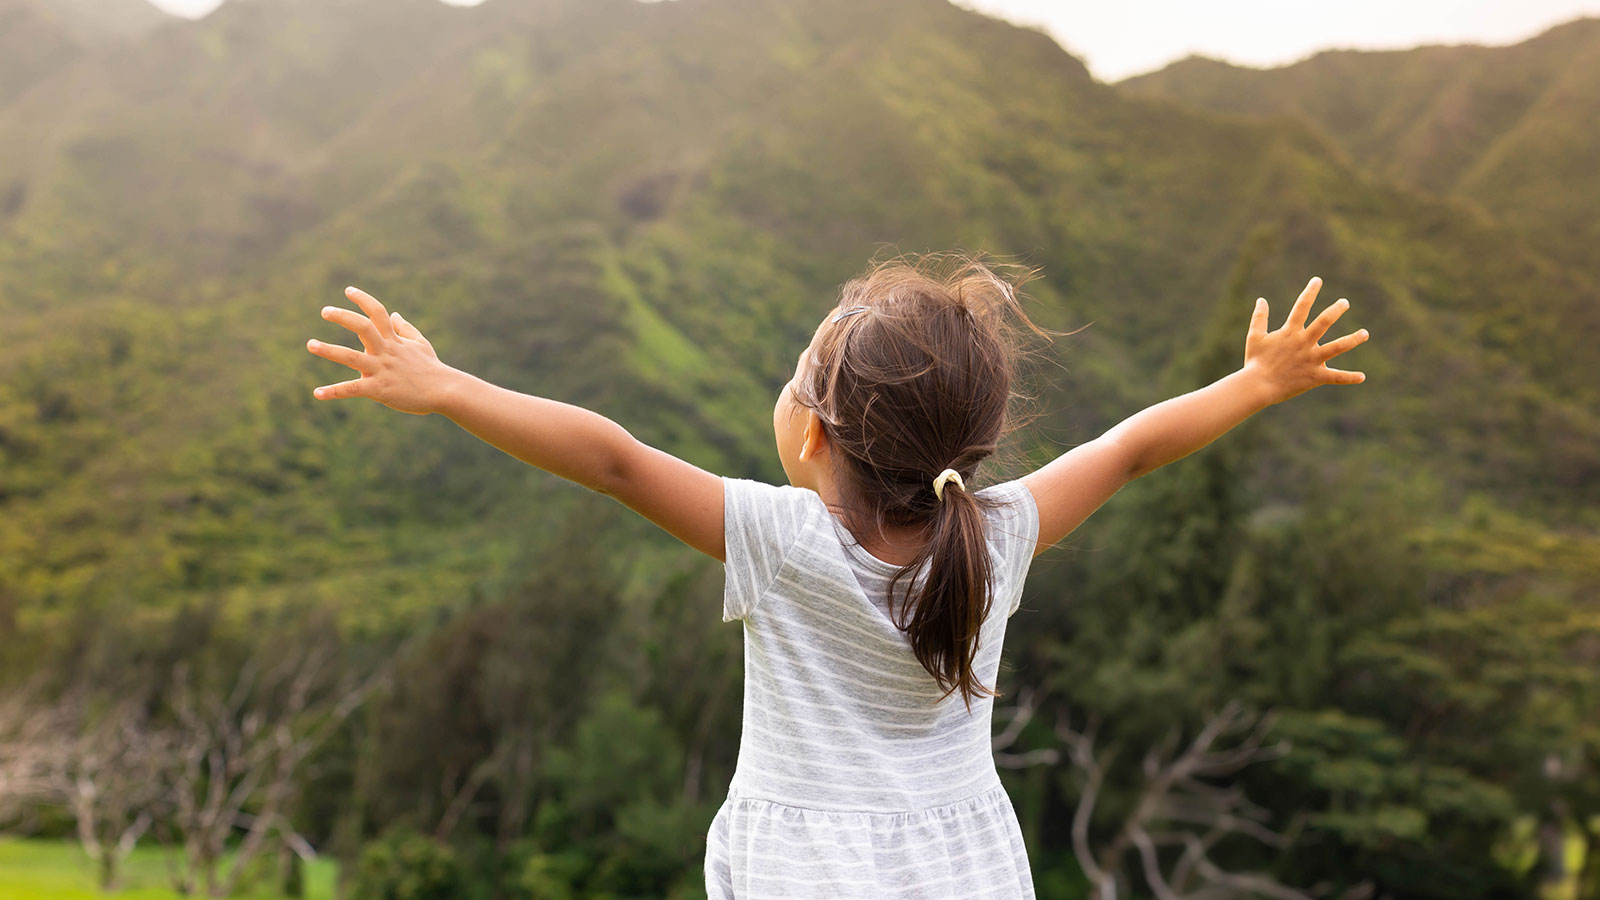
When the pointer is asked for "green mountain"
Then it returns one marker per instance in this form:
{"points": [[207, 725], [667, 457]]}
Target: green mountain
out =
{"points": [[644, 207], [1510, 129]]}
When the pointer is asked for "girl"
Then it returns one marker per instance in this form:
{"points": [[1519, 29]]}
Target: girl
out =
{"points": [[878, 583]]}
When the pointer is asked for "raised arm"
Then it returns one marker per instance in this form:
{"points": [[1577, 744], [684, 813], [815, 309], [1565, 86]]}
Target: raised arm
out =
{"points": [[1278, 365], [400, 369]]}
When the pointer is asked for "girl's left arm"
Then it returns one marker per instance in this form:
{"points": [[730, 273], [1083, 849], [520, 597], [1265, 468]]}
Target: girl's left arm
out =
{"points": [[400, 370], [1278, 365]]}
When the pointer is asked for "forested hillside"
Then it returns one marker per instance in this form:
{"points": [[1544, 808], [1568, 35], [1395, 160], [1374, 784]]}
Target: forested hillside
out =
{"points": [[644, 209], [1509, 129]]}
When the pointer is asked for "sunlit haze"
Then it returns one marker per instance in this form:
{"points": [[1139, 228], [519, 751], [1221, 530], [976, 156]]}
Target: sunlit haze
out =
{"points": [[1117, 40]]}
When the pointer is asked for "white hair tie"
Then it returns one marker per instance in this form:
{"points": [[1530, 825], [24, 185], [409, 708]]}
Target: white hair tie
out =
{"points": [[946, 476]]}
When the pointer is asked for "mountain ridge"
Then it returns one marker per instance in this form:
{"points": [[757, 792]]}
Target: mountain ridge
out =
{"points": [[589, 225], [1493, 126]]}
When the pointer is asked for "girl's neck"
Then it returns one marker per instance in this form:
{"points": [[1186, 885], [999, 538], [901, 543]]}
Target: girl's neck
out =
{"points": [[898, 545]]}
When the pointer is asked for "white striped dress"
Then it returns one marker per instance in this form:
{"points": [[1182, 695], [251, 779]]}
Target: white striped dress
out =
{"points": [[854, 780]]}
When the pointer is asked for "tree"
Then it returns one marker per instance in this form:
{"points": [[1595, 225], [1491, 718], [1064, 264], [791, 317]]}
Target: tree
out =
{"points": [[31, 741], [1188, 802], [114, 775], [239, 752]]}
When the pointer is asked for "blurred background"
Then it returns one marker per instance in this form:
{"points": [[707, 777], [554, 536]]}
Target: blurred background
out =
{"points": [[256, 645]]}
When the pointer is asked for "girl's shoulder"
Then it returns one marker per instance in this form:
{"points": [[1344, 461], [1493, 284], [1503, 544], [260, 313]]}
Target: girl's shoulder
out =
{"points": [[1011, 494], [745, 498], [1013, 503], [1013, 525], [761, 524]]}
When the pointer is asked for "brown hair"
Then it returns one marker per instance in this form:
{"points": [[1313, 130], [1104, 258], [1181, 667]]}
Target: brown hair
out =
{"points": [[912, 375]]}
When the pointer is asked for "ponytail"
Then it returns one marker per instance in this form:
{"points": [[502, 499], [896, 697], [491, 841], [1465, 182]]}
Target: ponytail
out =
{"points": [[950, 606], [913, 372]]}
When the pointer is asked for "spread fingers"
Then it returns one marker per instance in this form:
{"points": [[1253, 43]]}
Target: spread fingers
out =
{"points": [[374, 310], [1302, 304], [1325, 319], [339, 391], [356, 322], [1344, 376], [340, 354], [1334, 348]]}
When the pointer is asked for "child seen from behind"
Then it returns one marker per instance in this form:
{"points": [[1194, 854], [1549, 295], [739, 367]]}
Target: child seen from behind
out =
{"points": [[874, 589]]}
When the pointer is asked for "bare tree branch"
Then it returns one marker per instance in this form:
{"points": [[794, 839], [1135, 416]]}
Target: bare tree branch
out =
{"points": [[1178, 815], [240, 753], [32, 745]]}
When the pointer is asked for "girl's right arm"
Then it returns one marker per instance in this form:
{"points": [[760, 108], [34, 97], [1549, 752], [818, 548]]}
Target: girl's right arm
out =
{"points": [[1277, 366], [400, 370]]}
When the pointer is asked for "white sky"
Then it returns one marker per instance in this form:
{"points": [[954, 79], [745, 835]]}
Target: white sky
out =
{"points": [[1118, 39]]}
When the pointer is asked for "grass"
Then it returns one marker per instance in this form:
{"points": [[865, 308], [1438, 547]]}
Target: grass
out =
{"points": [[59, 870]]}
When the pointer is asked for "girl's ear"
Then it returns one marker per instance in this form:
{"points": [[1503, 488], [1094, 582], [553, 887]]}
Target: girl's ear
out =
{"points": [[814, 441]]}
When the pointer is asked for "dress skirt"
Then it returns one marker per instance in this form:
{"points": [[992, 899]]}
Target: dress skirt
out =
{"points": [[972, 849]]}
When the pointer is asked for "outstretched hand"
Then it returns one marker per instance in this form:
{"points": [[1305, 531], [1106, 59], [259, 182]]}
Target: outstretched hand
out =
{"points": [[1289, 360], [399, 368]]}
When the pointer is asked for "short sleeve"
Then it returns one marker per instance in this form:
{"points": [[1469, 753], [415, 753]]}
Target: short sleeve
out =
{"points": [[1014, 532], [761, 523]]}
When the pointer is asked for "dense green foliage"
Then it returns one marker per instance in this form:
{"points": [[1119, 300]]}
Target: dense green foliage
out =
{"points": [[404, 865], [1507, 128], [644, 209]]}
